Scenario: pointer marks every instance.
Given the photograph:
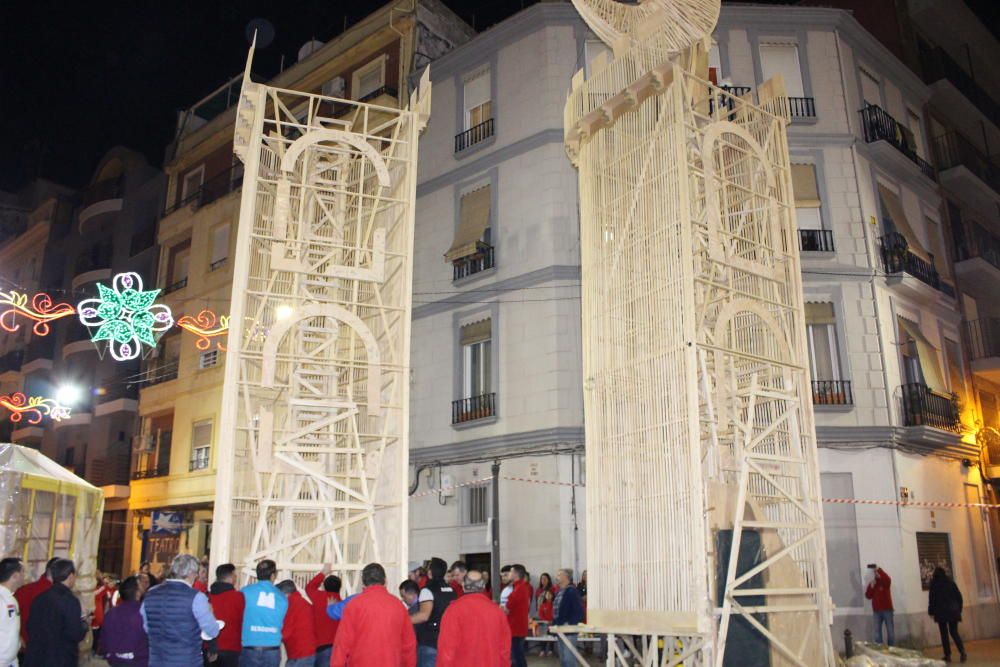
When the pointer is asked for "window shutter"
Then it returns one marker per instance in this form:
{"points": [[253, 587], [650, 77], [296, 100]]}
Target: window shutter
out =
{"points": [[893, 207], [201, 435], [820, 313], [220, 243], [930, 363], [805, 187], [477, 90], [474, 218], [476, 332], [783, 59]]}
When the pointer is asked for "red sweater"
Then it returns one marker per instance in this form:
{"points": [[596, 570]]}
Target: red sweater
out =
{"points": [[545, 611], [298, 631], [518, 605], [457, 587], [375, 632], [878, 591], [25, 595], [473, 632], [227, 605], [326, 627]]}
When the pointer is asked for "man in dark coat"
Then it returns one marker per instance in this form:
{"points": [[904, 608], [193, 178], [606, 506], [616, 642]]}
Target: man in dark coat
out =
{"points": [[123, 642], [945, 605], [57, 624]]}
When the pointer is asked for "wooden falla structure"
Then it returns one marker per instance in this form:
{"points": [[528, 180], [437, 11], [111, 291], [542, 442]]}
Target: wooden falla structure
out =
{"points": [[704, 520]]}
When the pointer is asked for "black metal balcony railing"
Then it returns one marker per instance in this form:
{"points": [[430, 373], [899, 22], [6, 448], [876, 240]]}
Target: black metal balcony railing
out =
{"points": [[880, 126], [162, 372], [972, 241], [897, 258], [471, 409], [213, 188], [218, 264], [952, 150], [11, 361], [725, 101], [936, 64], [802, 107], [474, 135], [923, 406], [476, 263], [120, 386], [378, 92], [173, 287], [108, 189], [143, 240], [982, 337], [832, 392], [160, 470], [815, 240]]}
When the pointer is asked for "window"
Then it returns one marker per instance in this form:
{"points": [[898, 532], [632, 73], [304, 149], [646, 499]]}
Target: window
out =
{"points": [[593, 49], [807, 202], [473, 224], [178, 264], [919, 356], [894, 220], [220, 246], [821, 331], [369, 78], [783, 59], [714, 64], [477, 499], [956, 378], [936, 244], [871, 91], [476, 359], [201, 444], [209, 359], [191, 184], [478, 102], [913, 122], [841, 527]]}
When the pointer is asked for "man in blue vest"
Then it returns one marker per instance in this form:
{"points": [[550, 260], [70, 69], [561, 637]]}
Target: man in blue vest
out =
{"points": [[263, 618], [175, 616]]}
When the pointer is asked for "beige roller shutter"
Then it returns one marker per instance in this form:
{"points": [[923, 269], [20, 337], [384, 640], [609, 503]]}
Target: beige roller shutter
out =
{"points": [[894, 207], [930, 362], [805, 186], [474, 218], [476, 332]]}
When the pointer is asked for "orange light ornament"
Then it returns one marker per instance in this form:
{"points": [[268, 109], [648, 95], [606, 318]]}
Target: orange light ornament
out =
{"points": [[206, 325]]}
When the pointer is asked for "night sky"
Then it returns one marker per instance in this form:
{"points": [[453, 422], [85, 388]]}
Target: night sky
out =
{"points": [[80, 76]]}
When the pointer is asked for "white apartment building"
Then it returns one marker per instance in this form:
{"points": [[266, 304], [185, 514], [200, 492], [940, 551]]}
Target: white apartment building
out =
{"points": [[496, 344]]}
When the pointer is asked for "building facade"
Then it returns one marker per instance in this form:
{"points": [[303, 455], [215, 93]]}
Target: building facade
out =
{"points": [[175, 464]]}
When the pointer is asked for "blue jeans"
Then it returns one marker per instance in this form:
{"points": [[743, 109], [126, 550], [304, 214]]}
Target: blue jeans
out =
{"points": [[426, 656], [890, 632], [566, 658], [323, 656], [308, 661], [253, 658], [517, 657]]}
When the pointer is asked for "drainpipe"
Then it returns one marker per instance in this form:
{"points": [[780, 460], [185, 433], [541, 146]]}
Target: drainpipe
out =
{"points": [[495, 534]]}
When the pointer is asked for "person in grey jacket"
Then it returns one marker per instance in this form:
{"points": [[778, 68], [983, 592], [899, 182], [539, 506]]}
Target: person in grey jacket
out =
{"points": [[945, 605]]}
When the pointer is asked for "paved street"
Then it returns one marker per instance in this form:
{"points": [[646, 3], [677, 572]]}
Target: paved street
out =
{"points": [[981, 653]]}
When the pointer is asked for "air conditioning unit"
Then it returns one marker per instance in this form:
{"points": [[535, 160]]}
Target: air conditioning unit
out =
{"points": [[447, 489], [334, 87], [143, 443]]}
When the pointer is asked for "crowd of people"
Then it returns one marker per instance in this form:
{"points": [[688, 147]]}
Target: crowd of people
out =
{"points": [[443, 616]]}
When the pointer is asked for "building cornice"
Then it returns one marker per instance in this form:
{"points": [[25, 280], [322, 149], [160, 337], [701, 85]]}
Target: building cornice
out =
{"points": [[504, 446]]}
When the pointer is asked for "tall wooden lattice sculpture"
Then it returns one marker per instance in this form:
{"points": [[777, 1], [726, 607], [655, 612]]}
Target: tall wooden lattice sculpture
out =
{"points": [[313, 449], [705, 532]]}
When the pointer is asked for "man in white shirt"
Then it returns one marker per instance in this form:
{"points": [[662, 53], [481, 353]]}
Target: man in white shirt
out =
{"points": [[11, 578], [508, 586]]}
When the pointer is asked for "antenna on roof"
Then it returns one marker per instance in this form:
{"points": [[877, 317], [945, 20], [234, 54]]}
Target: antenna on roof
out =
{"points": [[262, 29]]}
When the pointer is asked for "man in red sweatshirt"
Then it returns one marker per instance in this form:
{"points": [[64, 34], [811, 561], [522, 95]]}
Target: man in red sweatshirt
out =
{"points": [[518, 606], [375, 629], [227, 605], [879, 593], [458, 571], [26, 594], [298, 631], [323, 590], [473, 630]]}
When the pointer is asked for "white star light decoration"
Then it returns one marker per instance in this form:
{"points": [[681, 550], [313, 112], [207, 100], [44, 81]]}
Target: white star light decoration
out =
{"points": [[125, 316]]}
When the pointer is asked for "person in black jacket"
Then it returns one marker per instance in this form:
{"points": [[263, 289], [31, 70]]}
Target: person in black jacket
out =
{"points": [[57, 624], [945, 605]]}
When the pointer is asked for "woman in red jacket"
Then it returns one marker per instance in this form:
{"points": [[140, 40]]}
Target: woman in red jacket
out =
{"points": [[544, 595]]}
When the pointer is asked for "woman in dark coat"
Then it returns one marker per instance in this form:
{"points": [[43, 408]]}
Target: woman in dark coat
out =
{"points": [[945, 606]]}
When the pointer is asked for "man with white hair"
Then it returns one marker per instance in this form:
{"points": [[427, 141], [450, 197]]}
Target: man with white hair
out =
{"points": [[175, 616]]}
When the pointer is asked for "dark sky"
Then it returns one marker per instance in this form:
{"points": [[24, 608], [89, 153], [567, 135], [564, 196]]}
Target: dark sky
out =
{"points": [[80, 76]]}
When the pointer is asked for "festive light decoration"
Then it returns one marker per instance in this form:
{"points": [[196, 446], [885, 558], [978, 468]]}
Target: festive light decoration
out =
{"points": [[206, 325], [125, 316], [34, 408], [41, 311]]}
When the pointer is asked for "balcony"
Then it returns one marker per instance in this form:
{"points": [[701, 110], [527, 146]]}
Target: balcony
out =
{"points": [[473, 264], [982, 340], [964, 169], [11, 363], [473, 409], [801, 107], [151, 471], [372, 97], [897, 258], [815, 240], [178, 285], [218, 264], [832, 392], [119, 393], [162, 372], [92, 265], [880, 126], [923, 406], [937, 65], [215, 188], [977, 254], [100, 198], [724, 101], [474, 135]]}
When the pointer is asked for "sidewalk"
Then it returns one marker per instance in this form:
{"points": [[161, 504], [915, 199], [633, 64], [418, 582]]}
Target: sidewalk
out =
{"points": [[981, 653]]}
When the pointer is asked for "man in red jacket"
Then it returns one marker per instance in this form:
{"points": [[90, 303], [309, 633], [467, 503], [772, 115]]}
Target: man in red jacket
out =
{"points": [[458, 571], [26, 594], [518, 606], [298, 631], [227, 605], [323, 590], [375, 630], [474, 630], [879, 593]]}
